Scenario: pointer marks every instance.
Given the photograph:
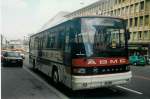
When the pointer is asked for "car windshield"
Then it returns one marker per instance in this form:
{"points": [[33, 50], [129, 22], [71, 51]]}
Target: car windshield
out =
{"points": [[101, 37], [12, 54]]}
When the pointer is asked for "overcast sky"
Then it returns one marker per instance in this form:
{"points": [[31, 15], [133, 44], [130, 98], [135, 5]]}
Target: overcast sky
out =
{"points": [[22, 17]]}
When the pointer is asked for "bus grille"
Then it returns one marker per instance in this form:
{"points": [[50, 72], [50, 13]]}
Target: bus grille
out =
{"points": [[104, 70]]}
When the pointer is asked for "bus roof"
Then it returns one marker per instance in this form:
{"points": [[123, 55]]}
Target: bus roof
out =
{"points": [[64, 19], [113, 17]]}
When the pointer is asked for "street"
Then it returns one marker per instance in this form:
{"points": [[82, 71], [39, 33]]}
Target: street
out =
{"points": [[24, 83], [20, 83]]}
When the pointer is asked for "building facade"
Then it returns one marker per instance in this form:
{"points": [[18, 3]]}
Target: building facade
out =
{"points": [[15, 44], [137, 14]]}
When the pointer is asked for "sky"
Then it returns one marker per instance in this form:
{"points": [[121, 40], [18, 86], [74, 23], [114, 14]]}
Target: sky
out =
{"points": [[19, 18]]}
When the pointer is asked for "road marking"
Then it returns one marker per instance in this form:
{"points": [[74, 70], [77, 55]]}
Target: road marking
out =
{"points": [[137, 92], [141, 77], [59, 94]]}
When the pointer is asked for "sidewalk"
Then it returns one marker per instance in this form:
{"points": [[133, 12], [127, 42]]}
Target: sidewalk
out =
{"points": [[17, 83]]}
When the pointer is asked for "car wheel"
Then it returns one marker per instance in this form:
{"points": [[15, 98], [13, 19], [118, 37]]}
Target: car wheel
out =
{"points": [[55, 76]]}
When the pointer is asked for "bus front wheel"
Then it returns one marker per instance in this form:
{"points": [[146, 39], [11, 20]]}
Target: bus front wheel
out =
{"points": [[55, 76]]}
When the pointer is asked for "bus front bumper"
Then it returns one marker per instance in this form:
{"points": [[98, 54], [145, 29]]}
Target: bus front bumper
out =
{"points": [[97, 81]]}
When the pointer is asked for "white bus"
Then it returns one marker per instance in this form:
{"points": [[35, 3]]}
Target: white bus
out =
{"points": [[83, 53]]}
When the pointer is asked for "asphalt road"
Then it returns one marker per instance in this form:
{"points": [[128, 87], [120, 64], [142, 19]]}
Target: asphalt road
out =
{"points": [[21, 83], [24, 83]]}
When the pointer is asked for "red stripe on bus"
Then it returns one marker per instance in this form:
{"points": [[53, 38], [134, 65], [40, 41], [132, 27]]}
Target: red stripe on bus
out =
{"points": [[83, 62]]}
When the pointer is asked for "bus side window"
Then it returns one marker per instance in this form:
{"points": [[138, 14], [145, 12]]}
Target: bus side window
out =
{"points": [[67, 38], [50, 42], [67, 46], [61, 38], [36, 43]]}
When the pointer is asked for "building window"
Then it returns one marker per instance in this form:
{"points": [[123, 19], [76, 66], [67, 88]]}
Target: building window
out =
{"points": [[111, 13], [127, 10], [123, 11], [99, 7], [133, 36], [132, 9], [119, 1], [114, 12], [116, 2], [119, 12], [141, 21], [102, 5], [146, 20], [145, 35], [136, 7], [142, 5], [135, 21], [139, 35], [96, 12]]}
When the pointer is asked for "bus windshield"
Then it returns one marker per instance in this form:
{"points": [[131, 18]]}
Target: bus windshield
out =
{"points": [[101, 37]]}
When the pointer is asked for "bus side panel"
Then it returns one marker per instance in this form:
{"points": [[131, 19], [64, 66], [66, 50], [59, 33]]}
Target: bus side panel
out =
{"points": [[51, 58], [67, 77]]}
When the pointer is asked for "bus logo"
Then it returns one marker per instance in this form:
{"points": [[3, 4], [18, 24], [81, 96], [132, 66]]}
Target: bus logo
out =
{"points": [[91, 62]]}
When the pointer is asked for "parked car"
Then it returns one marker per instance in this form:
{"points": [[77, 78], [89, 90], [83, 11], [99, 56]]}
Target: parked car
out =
{"points": [[137, 60], [12, 58]]}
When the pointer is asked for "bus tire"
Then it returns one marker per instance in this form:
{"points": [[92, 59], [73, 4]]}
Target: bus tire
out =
{"points": [[55, 76]]}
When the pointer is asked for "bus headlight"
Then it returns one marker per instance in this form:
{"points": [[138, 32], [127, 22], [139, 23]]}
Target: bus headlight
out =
{"points": [[79, 70]]}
